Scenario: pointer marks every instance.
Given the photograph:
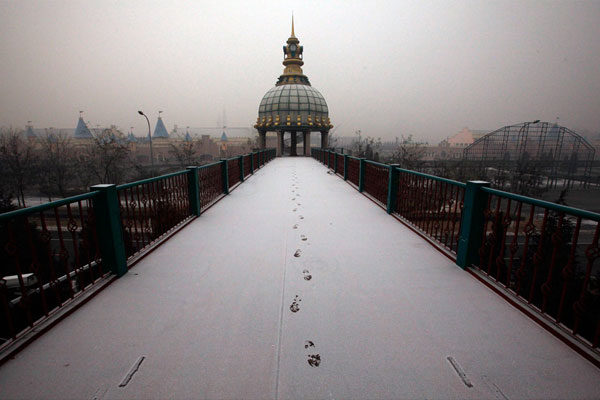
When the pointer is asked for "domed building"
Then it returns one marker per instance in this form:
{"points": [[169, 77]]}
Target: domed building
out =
{"points": [[293, 105]]}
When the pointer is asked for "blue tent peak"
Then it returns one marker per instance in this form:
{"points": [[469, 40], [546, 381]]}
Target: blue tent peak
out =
{"points": [[131, 138], [159, 130], [188, 138], [82, 131], [223, 137], [29, 132]]}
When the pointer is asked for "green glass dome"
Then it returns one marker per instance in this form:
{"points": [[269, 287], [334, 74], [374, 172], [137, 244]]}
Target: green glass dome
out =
{"points": [[293, 105]]}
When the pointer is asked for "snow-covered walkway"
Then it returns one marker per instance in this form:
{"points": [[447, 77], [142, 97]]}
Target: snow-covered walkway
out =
{"points": [[226, 309]]}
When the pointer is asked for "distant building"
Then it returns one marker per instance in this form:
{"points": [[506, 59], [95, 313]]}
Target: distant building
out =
{"points": [[463, 138], [238, 140]]}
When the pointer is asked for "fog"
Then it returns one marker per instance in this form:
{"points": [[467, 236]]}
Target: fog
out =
{"points": [[387, 68]]}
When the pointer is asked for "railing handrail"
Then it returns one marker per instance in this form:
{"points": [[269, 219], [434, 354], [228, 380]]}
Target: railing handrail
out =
{"points": [[437, 178], [373, 162], [543, 203], [46, 206], [149, 180], [209, 165]]}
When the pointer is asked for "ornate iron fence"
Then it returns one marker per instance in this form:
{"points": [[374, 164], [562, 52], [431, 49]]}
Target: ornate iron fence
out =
{"points": [[431, 204], [50, 254], [546, 254], [210, 184], [152, 207], [376, 181], [233, 171], [353, 171], [339, 164], [247, 165]]}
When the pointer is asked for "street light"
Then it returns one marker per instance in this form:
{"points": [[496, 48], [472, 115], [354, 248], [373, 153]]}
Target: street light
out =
{"points": [[149, 137], [521, 135]]}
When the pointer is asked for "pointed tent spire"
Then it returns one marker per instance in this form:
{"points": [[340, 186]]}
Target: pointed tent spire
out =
{"points": [[293, 35], [160, 131], [29, 131], [223, 137], [82, 131]]}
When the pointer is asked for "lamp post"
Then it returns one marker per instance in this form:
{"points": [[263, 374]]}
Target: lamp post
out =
{"points": [[149, 137], [522, 131]]}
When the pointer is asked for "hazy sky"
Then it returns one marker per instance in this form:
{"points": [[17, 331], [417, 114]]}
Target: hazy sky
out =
{"points": [[387, 68]]}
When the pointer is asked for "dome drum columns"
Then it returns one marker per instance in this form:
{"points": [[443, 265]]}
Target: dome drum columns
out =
{"points": [[262, 140], [294, 143], [324, 140]]}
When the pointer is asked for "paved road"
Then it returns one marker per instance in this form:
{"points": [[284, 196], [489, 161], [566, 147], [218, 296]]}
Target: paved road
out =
{"points": [[224, 309]]}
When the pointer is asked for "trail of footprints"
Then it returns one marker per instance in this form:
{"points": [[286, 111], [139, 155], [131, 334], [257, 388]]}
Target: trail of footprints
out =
{"points": [[313, 358]]}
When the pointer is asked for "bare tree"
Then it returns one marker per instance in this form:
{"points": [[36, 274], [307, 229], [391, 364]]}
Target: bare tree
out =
{"points": [[408, 153], [18, 161], [106, 159], [58, 164], [184, 152], [366, 146]]}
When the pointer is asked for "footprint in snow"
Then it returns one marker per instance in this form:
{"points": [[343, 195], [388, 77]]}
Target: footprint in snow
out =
{"points": [[303, 237], [297, 253], [295, 306], [314, 360], [295, 226], [307, 276]]}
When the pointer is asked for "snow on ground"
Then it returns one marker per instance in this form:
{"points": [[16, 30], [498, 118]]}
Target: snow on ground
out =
{"points": [[225, 309]]}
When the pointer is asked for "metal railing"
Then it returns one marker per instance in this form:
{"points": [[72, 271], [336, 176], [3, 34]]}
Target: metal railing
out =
{"points": [[432, 204], [545, 254], [376, 181], [50, 254], [54, 252], [210, 184], [151, 208], [233, 171], [540, 253]]}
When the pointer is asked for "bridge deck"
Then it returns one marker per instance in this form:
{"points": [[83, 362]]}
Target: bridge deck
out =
{"points": [[210, 312]]}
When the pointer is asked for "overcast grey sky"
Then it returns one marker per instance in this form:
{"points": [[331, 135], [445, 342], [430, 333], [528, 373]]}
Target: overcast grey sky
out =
{"points": [[387, 68]]}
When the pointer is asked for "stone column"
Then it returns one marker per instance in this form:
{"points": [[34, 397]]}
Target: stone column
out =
{"points": [[324, 140], [279, 144], [293, 145], [307, 144]]}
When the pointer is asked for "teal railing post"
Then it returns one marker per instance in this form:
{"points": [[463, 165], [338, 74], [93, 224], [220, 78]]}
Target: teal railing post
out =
{"points": [[345, 167], [193, 193], [471, 228], [241, 161], [392, 188], [361, 175], [109, 229], [252, 163], [225, 175]]}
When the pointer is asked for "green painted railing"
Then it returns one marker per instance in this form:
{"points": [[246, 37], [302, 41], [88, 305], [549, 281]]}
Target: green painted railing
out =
{"points": [[543, 254], [54, 252]]}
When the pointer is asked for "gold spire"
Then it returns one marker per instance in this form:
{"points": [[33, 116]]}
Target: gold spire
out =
{"points": [[293, 25]]}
